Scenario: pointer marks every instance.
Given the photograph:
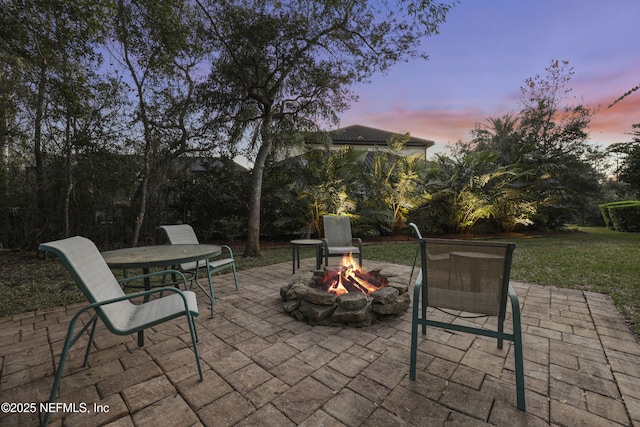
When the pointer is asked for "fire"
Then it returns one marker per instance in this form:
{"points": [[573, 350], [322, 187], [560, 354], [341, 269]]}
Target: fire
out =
{"points": [[349, 277]]}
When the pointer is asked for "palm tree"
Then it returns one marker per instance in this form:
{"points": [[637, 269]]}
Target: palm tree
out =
{"points": [[326, 184], [395, 185]]}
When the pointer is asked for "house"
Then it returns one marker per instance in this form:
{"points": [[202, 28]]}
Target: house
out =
{"points": [[367, 138]]}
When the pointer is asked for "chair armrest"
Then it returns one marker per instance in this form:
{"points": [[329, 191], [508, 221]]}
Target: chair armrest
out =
{"points": [[140, 294], [417, 286], [515, 303], [358, 240], [228, 249]]}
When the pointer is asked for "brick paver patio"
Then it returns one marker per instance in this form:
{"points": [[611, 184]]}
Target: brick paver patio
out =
{"points": [[263, 368]]}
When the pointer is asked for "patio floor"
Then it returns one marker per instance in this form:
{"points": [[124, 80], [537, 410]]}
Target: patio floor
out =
{"points": [[263, 368]]}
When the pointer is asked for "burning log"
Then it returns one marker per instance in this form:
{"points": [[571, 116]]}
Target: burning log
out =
{"points": [[330, 277], [371, 278], [348, 278], [352, 285]]}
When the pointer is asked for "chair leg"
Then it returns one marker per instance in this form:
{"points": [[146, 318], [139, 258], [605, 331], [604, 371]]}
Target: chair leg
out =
{"points": [[517, 345], [517, 348], [414, 334], [212, 295], [93, 330], [235, 277], [69, 340], [194, 341], [424, 308]]}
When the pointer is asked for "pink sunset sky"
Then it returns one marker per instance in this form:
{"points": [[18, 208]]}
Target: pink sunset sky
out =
{"points": [[485, 52]]}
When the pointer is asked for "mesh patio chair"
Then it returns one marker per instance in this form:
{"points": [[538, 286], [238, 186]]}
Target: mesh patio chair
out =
{"points": [[467, 276], [337, 239], [109, 303], [184, 234]]}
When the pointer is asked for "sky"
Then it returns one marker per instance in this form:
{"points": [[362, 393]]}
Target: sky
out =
{"points": [[485, 52]]}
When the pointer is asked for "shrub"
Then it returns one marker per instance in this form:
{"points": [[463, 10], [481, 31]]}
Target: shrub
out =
{"points": [[626, 217], [622, 216]]}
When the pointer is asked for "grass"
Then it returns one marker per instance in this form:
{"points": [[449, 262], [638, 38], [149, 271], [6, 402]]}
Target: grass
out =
{"points": [[591, 259], [30, 282]]}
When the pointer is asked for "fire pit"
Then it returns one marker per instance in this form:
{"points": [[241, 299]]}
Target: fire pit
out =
{"points": [[345, 295]]}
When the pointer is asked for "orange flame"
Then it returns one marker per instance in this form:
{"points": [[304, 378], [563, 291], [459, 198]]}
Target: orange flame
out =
{"points": [[349, 271]]}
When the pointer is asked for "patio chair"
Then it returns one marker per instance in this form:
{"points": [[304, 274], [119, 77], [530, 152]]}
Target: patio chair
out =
{"points": [[109, 303], [467, 276], [337, 239], [184, 234]]}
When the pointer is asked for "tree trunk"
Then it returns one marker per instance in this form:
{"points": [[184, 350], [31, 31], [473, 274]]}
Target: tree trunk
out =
{"points": [[148, 138], [144, 185], [7, 119], [142, 209], [252, 248], [37, 136], [69, 176], [39, 217]]}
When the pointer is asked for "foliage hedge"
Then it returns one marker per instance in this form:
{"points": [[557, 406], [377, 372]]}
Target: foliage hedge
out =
{"points": [[622, 216]]}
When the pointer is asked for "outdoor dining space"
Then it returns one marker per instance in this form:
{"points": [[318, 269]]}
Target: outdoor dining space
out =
{"points": [[263, 367]]}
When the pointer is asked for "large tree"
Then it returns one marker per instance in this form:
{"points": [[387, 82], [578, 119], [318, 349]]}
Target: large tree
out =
{"points": [[161, 50], [553, 128], [542, 170], [288, 66]]}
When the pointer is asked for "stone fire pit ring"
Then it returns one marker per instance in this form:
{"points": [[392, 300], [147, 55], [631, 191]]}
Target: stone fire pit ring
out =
{"points": [[307, 303]]}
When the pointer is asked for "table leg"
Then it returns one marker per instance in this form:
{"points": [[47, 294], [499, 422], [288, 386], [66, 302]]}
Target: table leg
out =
{"points": [[147, 286], [213, 296], [293, 258], [174, 278]]}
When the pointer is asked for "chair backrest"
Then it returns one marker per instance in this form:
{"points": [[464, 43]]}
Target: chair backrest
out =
{"points": [[180, 234], [92, 275], [337, 230], [466, 275]]}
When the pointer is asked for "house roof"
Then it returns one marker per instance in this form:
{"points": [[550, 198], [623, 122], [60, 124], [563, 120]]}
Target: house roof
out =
{"points": [[363, 135]]}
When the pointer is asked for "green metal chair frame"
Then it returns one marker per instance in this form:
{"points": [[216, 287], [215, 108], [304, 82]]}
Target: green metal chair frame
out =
{"points": [[184, 234], [427, 248], [111, 305], [338, 240]]}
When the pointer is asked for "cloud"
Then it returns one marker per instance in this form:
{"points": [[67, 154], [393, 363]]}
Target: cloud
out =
{"points": [[613, 124], [484, 55], [443, 126], [447, 126]]}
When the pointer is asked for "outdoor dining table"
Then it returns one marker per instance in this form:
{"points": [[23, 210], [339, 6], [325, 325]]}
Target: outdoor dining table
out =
{"points": [[160, 256]]}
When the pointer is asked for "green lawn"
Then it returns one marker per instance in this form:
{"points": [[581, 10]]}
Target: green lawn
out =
{"points": [[593, 259]]}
